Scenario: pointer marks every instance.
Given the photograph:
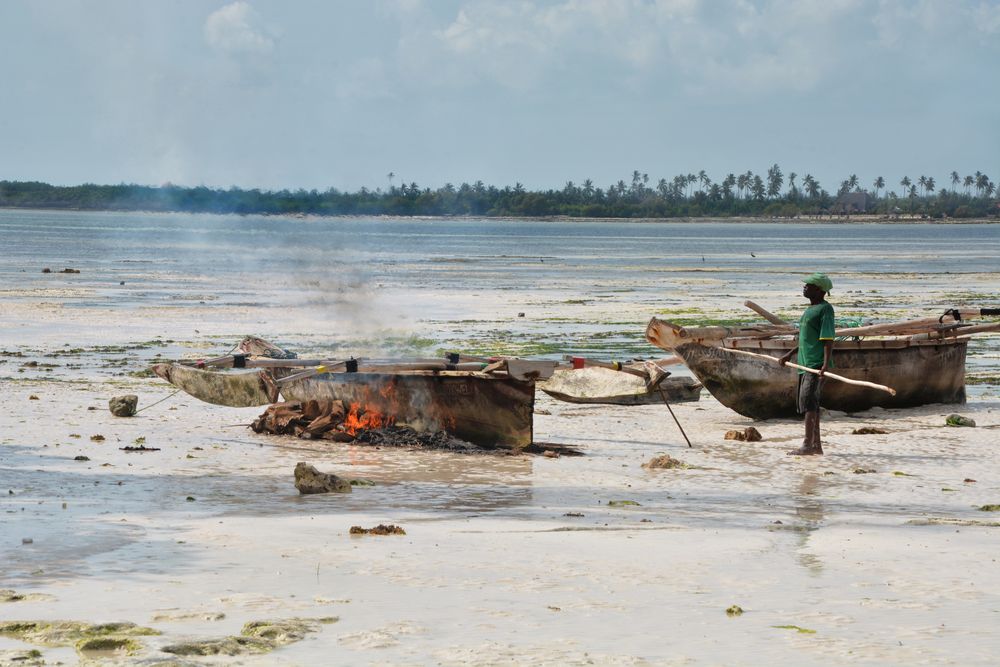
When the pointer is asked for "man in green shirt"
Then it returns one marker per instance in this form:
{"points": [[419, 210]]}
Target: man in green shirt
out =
{"points": [[815, 348]]}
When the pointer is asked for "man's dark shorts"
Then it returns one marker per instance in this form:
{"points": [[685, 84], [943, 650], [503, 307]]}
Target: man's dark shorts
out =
{"points": [[810, 387]]}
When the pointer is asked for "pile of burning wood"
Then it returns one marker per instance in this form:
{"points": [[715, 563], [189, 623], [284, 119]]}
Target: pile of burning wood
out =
{"points": [[317, 419], [365, 425], [332, 420]]}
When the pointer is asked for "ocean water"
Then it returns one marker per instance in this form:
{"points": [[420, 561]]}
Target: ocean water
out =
{"points": [[406, 251], [584, 287]]}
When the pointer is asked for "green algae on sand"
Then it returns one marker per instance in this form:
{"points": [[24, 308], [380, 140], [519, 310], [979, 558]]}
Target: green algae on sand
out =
{"points": [[256, 637], [221, 646], [9, 595], [285, 631], [21, 658], [65, 633], [99, 647]]}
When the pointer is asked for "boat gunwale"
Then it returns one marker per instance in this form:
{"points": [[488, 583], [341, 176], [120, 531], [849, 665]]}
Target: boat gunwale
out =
{"points": [[865, 344], [341, 373]]}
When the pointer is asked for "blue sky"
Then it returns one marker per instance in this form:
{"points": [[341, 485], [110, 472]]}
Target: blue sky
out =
{"points": [[319, 94]]}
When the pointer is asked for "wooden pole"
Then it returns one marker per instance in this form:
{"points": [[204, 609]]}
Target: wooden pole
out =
{"points": [[767, 315], [714, 332], [906, 326], [958, 332], [619, 366], [616, 366], [310, 372], [832, 376], [663, 395], [338, 367], [668, 335]]}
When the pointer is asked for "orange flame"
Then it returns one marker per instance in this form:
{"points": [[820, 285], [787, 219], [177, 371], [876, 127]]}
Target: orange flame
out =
{"points": [[448, 422], [362, 418]]}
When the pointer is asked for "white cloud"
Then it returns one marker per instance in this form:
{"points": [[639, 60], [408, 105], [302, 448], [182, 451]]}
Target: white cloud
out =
{"points": [[238, 28], [503, 42], [525, 45], [753, 46]]}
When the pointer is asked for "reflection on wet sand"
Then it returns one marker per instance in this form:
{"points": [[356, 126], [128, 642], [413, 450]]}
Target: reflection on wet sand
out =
{"points": [[431, 467], [809, 512], [404, 479]]}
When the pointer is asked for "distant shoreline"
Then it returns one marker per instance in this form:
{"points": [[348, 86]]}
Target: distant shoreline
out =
{"points": [[857, 219]]}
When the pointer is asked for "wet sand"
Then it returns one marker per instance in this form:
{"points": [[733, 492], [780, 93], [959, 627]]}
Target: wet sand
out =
{"points": [[886, 567]]}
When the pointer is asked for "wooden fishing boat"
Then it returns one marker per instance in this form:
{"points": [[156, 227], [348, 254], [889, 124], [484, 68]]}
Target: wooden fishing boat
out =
{"points": [[488, 402], [923, 361], [484, 409], [609, 387]]}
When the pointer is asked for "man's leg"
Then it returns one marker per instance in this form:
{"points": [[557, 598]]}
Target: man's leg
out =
{"points": [[811, 445], [809, 388], [812, 434]]}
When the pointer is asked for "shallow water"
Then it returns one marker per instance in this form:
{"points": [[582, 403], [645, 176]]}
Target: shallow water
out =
{"points": [[391, 287]]}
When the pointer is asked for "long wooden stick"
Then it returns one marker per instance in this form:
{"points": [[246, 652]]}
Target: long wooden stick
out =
{"points": [[384, 367], [663, 395], [419, 363], [622, 367], [832, 376], [906, 326], [962, 331], [767, 315], [615, 366]]}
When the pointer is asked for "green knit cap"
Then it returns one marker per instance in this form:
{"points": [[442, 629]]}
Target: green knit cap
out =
{"points": [[820, 280]]}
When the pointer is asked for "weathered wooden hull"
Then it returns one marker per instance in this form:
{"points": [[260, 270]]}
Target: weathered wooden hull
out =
{"points": [[921, 373], [608, 387], [483, 409], [680, 390], [234, 390]]}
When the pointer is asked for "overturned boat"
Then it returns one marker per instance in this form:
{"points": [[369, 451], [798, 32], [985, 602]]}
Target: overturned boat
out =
{"points": [[923, 361]]}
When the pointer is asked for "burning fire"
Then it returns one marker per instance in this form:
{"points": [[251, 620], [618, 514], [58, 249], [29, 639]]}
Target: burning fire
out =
{"points": [[448, 422], [369, 417]]}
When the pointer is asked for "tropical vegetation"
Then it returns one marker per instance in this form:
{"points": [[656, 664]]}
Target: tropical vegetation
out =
{"points": [[773, 194]]}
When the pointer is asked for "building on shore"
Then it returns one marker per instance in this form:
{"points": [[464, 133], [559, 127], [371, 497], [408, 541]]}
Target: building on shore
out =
{"points": [[853, 202]]}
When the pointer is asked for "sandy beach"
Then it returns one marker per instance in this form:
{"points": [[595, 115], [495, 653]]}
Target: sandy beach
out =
{"points": [[877, 553], [512, 560]]}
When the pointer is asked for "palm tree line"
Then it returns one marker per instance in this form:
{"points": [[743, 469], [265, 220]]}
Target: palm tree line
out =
{"points": [[685, 195]]}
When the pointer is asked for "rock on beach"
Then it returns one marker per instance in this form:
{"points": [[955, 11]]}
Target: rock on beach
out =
{"points": [[124, 406], [310, 480]]}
